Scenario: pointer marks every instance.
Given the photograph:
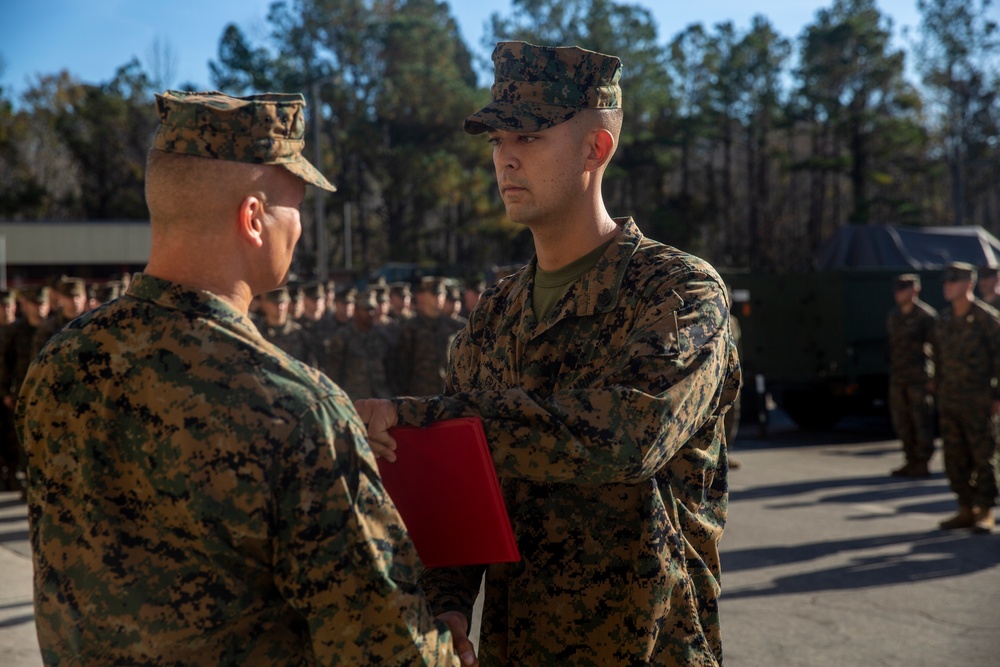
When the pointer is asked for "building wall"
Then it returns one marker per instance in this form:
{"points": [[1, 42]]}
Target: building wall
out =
{"points": [[32, 251]]}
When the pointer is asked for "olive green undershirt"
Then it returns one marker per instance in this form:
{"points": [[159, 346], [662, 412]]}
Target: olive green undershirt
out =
{"points": [[550, 286]]}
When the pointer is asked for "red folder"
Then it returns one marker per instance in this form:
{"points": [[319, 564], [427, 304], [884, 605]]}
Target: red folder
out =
{"points": [[446, 489]]}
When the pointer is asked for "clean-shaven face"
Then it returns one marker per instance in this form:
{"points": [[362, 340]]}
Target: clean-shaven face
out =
{"points": [[539, 173], [954, 289], [281, 212]]}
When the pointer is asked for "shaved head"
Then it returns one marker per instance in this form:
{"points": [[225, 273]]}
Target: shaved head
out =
{"points": [[589, 120], [184, 190]]}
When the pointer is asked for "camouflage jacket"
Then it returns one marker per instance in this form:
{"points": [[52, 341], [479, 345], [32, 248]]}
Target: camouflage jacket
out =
{"points": [[198, 497], [967, 352], [357, 362], [420, 359], [46, 330], [291, 338], [605, 423], [910, 339], [317, 333], [17, 352]]}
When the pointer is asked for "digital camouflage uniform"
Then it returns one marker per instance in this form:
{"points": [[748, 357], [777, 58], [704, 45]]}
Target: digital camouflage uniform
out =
{"points": [[967, 370], [15, 356], [910, 337], [291, 338], [57, 320], [196, 496], [317, 333], [198, 509], [18, 345], [605, 422], [420, 359], [10, 450], [357, 361]]}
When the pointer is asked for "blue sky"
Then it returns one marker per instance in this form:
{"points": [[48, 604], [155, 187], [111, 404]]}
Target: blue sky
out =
{"points": [[92, 38]]}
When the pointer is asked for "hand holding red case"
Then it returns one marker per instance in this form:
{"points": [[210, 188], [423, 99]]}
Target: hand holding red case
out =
{"points": [[445, 487]]}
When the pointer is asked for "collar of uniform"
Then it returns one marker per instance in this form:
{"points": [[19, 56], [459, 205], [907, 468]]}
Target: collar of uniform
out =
{"points": [[175, 296], [595, 292]]}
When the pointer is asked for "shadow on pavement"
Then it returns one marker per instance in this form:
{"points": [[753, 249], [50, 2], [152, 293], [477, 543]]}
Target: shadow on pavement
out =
{"points": [[782, 432], [873, 488], [15, 536], [17, 620], [928, 555]]}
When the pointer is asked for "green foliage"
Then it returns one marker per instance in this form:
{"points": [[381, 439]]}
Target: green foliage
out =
{"points": [[725, 150]]}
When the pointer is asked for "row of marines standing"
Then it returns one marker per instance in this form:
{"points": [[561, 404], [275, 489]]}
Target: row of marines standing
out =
{"points": [[380, 342], [385, 340], [29, 316], [949, 360]]}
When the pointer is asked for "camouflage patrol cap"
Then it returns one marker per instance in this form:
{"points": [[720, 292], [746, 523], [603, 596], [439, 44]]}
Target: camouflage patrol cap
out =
{"points": [[431, 285], [906, 281], [537, 87], [367, 299], [279, 295], [400, 289], [257, 129], [314, 291], [959, 271], [34, 293], [346, 295], [108, 291], [71, 286]]}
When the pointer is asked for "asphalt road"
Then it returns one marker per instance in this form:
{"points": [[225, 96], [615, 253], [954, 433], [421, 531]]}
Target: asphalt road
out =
{"points": [[827, 561]]}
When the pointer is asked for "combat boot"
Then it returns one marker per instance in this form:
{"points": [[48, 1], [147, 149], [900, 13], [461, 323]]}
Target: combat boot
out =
{"points": [[918, 469], [961, 520], [982, 520], [902, 472]]}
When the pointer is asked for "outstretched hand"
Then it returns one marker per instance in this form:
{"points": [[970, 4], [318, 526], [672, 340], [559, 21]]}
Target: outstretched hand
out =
{"points": [[379, 415]]}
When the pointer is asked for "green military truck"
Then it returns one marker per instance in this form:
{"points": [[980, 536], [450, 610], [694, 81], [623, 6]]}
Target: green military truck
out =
{"points": [[816, 342]]}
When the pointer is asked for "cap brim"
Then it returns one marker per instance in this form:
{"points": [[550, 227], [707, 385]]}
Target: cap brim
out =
{"points": [[520, 117], [308, 173]]}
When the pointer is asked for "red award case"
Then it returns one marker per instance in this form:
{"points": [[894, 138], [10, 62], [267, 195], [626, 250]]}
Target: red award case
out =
{"points": [[446, 489]]}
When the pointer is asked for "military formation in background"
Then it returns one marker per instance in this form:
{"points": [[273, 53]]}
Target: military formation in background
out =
{"points": [[381, 341], [30, 316], [948, 362]]}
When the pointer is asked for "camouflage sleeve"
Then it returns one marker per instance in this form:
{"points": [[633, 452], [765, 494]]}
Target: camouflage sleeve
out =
{"points": [[452, 588], [334, 353], [993, 341], [343, 558], [616, 425], [7, 360], [402, 358], [936, 351]]}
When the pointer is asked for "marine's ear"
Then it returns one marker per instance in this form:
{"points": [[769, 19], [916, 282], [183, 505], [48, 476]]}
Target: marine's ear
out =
{"points": [[602, 147], [250, 223]]}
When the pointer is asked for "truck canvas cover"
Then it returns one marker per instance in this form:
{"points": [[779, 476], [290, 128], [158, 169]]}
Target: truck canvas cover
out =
{"points": [[908, 248]]}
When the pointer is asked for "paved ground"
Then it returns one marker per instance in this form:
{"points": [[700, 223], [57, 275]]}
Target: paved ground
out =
{"points": [[827, 561]]}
